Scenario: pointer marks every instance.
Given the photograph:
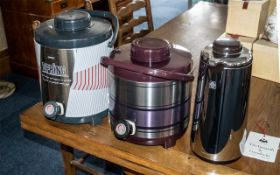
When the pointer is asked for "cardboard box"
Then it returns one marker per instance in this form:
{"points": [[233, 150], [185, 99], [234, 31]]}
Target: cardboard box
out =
{"points": [[266, 60], [245, 41], [246, 18]]}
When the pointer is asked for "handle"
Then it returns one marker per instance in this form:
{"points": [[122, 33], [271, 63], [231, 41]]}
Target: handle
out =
{"points": [[199, 99], [35, 24], [63, 4], [114, 20], [148, 71], [88, 5]]}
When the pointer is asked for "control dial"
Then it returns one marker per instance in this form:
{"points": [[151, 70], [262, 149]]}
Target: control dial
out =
{"points": [[124, 128], [51, 109]]}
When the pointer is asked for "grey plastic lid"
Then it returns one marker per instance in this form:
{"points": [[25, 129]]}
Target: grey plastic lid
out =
{"points": [[227, 52], [73, 29], [74, 20]]}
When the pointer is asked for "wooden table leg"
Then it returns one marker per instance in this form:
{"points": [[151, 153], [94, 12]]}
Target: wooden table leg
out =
{"points": [[68, 155]]}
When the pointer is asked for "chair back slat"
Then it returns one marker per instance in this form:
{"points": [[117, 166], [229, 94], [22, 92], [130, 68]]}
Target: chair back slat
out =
{"points": [[124, 9], [131, 7], [133, 22]]}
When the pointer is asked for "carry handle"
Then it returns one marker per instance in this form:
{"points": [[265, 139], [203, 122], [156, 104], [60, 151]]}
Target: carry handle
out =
{"points": [[114, 20], [148, 71]]}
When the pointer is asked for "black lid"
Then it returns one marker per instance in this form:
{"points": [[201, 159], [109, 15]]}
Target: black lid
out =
{"points": [[227, 47], [73, 29], [227, 52]]}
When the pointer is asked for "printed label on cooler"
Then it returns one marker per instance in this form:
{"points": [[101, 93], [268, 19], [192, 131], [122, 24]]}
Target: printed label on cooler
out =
{"points": [[57, 66], [56, 74]]}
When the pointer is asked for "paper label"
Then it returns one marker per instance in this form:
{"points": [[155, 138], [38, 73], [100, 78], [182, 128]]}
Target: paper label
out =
{"points": [[262, 147]]}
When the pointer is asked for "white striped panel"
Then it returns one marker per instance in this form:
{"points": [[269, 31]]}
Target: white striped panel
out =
{"points": [[89, 100], [90, 79], [89, 56], [85, 103]]}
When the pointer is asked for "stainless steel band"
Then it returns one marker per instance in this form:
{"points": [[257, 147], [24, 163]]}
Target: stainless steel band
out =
{"points": [[148, 95]]}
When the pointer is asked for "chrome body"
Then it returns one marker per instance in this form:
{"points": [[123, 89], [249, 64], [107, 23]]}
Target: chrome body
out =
{"points": [[219, 117]]}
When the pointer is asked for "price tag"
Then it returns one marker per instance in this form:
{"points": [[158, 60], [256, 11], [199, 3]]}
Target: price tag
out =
{"points": [[262, 147]]}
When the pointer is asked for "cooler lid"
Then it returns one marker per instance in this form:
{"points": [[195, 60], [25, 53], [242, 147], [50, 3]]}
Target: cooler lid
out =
{"points": [[73, 29], [227, 51], [153, 57]]}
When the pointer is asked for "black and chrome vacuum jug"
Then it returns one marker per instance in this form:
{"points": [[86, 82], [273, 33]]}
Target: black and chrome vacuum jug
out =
{"points": [[219, 118]]}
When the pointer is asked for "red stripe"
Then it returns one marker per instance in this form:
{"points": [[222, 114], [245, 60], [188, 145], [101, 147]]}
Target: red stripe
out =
{"points": [[101, 76], [105, 75], [106, 78], [98, 80], [88, 79], [95, 77], [84, 80], [80, 80], [76, 80], [92, 77]]}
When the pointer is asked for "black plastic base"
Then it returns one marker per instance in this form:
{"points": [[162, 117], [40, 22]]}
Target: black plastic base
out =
{"points": [[165, 142], [93, 119]]}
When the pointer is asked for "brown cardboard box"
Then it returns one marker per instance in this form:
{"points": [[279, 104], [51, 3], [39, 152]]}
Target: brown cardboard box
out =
{"points": [[266, 60], [245, 41], [246, 21]]}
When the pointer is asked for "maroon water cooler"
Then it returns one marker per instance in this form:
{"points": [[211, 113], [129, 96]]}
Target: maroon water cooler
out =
{"points": [[150, 91]]}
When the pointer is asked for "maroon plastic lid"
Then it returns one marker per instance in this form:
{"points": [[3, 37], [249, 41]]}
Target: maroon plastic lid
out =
{"points": [[127, 62], [150, 50]]}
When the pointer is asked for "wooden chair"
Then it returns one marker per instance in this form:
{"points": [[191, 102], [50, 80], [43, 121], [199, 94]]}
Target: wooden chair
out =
{"points": [[124, 9]]}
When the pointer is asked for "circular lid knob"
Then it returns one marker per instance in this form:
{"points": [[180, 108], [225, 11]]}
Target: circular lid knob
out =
{"points": [[227, 47], [71, 21], [150, 50], [122, 129]]}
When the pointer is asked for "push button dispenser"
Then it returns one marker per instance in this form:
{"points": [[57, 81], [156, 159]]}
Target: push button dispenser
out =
{"points": [[51, 109], [124, 128]]}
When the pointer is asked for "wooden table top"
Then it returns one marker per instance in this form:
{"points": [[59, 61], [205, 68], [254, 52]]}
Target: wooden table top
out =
{"points": [[193, 29]]}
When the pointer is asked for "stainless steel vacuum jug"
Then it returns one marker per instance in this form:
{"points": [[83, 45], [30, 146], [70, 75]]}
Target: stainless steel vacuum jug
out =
{"points": [[219, 118]]}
